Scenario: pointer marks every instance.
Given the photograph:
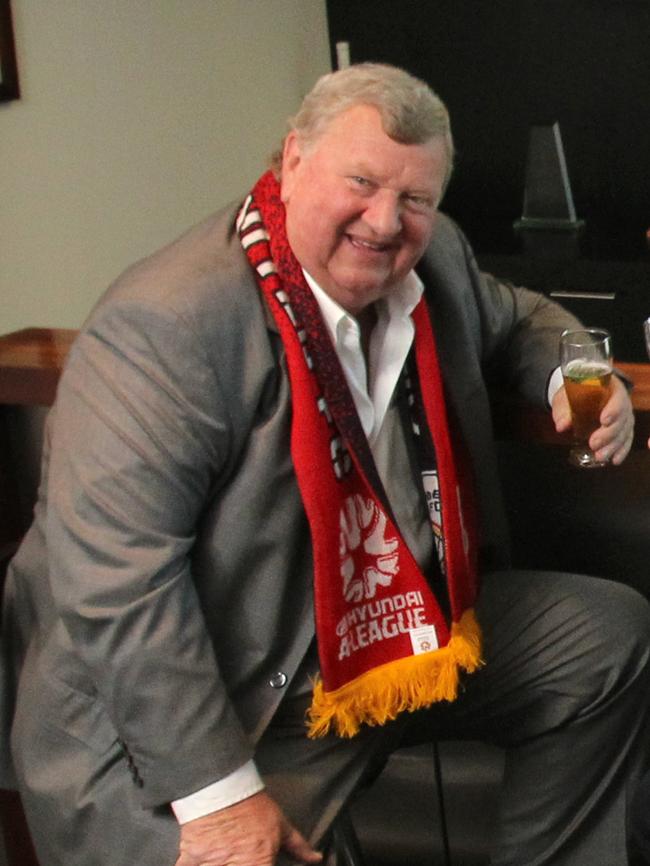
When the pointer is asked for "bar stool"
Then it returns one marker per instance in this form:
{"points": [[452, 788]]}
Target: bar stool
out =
{"points": [[345, 840]]}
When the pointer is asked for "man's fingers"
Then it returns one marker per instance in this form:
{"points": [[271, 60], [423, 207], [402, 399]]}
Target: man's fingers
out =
{"points": [[295, 844], [561, 411]]}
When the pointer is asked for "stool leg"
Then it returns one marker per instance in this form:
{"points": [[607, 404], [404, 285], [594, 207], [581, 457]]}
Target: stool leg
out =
{"points": [[437, 771], [345, 841]]}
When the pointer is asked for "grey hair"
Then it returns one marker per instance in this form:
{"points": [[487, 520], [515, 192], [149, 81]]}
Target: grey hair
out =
{"points": [[411, 113]]}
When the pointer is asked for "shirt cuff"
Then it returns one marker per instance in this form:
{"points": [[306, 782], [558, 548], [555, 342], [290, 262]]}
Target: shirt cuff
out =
{"points": [[239, 785], [555, 382]]}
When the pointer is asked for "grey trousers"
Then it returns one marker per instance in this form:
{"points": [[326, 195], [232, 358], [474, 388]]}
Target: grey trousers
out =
{"points": [[564, 691]]}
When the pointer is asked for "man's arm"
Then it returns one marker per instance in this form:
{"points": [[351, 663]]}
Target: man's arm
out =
{"points": [[140, 436], [521, 332], [526, 326], [533, 324], [514, 331]]}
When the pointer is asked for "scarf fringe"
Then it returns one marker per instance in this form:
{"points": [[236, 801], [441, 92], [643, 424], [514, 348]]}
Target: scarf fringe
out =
{"points": [[407, 684]]}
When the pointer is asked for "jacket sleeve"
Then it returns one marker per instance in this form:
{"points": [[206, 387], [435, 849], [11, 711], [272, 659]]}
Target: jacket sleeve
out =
{"points": [[141, 438], [517, 329]]}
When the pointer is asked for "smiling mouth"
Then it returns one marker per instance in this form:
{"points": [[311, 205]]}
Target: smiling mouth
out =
{"points": [[371, 246]]}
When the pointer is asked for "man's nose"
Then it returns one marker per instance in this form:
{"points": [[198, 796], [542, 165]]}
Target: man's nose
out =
{"points": [[384, 213]]}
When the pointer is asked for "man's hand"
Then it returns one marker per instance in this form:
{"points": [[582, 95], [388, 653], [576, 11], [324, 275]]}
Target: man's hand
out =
{"points": [[249, 833], [613, 439]]}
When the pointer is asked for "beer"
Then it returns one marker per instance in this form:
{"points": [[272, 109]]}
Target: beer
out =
{"points": [[586, 361], [588, 387]]}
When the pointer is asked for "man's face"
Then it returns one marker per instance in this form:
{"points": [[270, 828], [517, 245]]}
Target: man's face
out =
{"points": [[360, 206]]}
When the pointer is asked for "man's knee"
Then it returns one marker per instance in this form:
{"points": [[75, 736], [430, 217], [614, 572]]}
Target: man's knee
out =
{"points": [[623, 615], [545, 628]]}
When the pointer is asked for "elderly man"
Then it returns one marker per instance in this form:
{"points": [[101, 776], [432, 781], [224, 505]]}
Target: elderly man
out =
{"points": [[270, 463]]}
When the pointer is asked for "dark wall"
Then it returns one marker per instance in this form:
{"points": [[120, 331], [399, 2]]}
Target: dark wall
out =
{"points": [[504, 65]]}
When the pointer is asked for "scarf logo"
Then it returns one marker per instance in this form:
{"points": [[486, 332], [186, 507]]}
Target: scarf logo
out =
{"points": [[431, 484], [368, 558]]}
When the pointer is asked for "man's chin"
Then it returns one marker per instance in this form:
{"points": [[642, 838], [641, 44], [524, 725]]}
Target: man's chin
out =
{"points": [[359, 297], [360, 290]]}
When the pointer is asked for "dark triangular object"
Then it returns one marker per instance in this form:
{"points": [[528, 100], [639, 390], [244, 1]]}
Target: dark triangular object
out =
{"points": [[548, 225]]}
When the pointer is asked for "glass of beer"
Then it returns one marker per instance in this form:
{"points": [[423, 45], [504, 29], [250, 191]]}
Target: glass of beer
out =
{"points": [[586, 361]]}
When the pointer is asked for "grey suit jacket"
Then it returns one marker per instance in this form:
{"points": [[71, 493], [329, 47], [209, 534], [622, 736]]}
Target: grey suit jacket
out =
{"points": [[167, 576]]}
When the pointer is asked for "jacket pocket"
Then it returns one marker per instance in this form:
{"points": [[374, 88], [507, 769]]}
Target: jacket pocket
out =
{"points": [[76, 714]]}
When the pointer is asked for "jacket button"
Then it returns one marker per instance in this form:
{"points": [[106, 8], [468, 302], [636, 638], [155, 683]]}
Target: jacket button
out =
{"points": [[278, 680]]}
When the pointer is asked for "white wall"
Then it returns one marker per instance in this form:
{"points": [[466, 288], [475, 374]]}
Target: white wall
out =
{"points": [[137, 118]]}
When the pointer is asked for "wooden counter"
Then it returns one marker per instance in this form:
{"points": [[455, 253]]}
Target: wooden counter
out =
{"points": [[31, 362], [640, 375]]}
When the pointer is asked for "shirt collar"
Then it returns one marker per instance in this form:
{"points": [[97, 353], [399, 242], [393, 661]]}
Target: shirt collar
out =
{"points": [[400, 303]]}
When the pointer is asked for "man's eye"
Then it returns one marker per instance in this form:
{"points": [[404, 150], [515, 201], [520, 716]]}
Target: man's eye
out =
{"points": [[420, 204], [360, 181], [419, 201]]}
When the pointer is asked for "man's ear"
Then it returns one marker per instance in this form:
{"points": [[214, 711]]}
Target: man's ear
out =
{"points": [[291, 158]]}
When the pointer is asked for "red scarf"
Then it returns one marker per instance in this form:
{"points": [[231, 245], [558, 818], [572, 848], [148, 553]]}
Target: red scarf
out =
{"points": [[389, 638]]}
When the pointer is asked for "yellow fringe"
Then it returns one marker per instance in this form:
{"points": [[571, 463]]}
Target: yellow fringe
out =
{"points": [[406, 684]]}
